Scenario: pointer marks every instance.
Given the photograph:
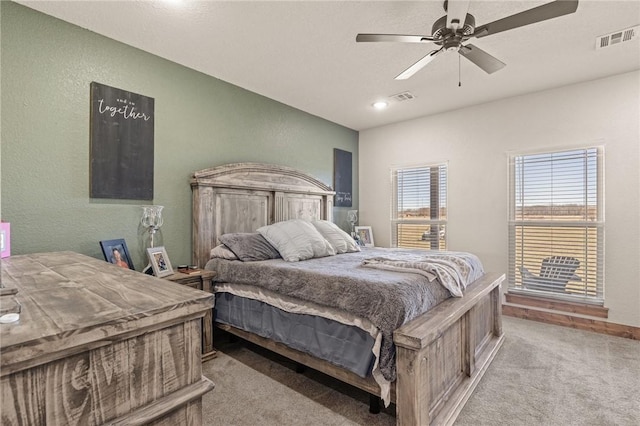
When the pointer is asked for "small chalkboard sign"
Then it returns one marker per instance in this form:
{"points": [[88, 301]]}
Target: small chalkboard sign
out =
{"points": [[342, 179], [122, 131]]}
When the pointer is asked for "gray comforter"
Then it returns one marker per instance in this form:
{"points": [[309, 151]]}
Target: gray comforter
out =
{"points": [[385, 297]]}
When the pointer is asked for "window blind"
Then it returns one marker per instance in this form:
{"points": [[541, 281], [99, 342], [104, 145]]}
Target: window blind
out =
{"points": [[419, 207], [556, 225]]}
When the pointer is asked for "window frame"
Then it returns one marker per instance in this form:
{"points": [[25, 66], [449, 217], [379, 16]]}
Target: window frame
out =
{"points": [[440, 223], [596, 226]]}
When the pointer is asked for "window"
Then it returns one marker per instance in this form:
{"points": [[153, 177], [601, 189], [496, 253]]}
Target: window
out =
{"points": [[419, 207], [556, 225]]}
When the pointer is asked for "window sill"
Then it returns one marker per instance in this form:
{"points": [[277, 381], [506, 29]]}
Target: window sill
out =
{"points": [[572, 307]]}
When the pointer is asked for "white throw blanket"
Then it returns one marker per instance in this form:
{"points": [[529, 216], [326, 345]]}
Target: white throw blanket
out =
{"points": [[454, 270]]}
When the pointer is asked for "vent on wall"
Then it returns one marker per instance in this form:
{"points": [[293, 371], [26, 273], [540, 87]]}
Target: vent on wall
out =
{"points": [[617, 37], [404, 96]]}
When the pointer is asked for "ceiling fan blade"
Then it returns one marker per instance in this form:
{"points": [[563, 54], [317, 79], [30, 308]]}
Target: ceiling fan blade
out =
{"points": [[418, 65], [481, 58], [456, 13], [531, 16], [402, 38]]}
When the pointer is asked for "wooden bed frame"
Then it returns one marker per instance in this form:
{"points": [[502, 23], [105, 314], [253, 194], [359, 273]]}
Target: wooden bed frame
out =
{"points": [[441, 355]]}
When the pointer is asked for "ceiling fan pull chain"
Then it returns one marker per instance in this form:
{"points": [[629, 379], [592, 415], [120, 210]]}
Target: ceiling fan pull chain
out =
{"points": [[459, 77]]}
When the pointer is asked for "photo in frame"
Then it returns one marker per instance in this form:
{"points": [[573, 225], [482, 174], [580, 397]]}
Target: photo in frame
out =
{"points": [[116, 252], [365, 235], [159, 261]]}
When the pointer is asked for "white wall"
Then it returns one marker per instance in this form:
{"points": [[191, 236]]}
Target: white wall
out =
{"points": [[476, 141]]}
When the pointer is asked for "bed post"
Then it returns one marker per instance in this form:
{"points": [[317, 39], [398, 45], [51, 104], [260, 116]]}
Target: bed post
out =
{"points": [[202, 224], [412, 391], [496, 302]]}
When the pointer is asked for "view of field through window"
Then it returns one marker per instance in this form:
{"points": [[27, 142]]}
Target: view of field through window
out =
{"points": [[420, 210], [556, 212]]}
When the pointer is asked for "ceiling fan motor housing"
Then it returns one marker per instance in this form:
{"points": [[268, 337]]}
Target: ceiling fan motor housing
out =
{"points": [[452, 39]]}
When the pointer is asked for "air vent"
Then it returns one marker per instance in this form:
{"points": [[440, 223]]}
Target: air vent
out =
{"points": [[404, 96], [617, 37]]}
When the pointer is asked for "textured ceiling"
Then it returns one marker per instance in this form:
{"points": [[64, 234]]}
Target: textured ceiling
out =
{"points": [[304, 54]]}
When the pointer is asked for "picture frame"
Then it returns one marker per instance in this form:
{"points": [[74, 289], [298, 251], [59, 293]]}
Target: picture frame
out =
{"points": [[5, 239], [116, 252], [159, 261], [121, 143], [365, 235], [342, 179]]}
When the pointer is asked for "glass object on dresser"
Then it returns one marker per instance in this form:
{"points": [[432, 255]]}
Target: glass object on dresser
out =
{"points": [[151, 222], [352, 218]]}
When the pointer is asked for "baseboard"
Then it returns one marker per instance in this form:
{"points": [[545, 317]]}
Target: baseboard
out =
{"points": [[580, 323]]}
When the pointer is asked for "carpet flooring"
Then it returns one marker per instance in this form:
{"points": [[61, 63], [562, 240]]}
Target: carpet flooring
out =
{"points": [[542, 375]]}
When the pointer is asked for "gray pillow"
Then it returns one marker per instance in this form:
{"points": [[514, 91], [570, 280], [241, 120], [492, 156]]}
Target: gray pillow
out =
{"points": [[296, 240], [249, 247], [222, 252]]}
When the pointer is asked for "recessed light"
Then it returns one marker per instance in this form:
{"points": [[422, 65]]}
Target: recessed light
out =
{"points": [[380, 104]]}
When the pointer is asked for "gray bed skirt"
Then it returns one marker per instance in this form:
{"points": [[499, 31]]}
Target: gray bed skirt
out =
{"points": [[343, 345]]}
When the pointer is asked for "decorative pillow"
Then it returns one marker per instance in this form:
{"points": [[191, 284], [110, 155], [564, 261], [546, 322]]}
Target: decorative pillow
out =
{"points": [[249, 246], [296, 240], [223, 252], [339, 240]]}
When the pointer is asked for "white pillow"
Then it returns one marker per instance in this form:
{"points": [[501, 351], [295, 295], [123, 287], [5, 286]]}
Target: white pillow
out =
{"points": [[339, 240], [296, 240]]}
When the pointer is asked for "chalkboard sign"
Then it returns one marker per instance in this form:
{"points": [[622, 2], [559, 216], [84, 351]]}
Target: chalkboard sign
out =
{"points": [[121, 144], [342, 178]]}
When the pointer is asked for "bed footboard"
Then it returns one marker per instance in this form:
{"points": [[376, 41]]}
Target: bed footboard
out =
{"points": [[443, 354]]}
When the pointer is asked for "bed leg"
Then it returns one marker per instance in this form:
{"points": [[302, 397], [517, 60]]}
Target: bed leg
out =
{"points": [[374, 404]]}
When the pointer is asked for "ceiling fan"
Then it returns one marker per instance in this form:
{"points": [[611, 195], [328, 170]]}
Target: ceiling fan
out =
{"points": [[450, 32]]}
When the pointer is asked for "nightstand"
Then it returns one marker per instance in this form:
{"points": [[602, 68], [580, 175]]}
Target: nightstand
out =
{"points": [[202, 281]]}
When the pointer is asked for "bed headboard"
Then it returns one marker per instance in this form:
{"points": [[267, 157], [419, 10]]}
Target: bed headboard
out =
{"points": [[242, 197]]}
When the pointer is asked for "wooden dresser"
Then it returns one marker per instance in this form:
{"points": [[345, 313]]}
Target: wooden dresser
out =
{"points": [[99, 344]]}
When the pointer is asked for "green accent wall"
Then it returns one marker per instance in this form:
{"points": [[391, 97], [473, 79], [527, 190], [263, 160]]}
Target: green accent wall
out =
{"points": [[200, 122]]}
